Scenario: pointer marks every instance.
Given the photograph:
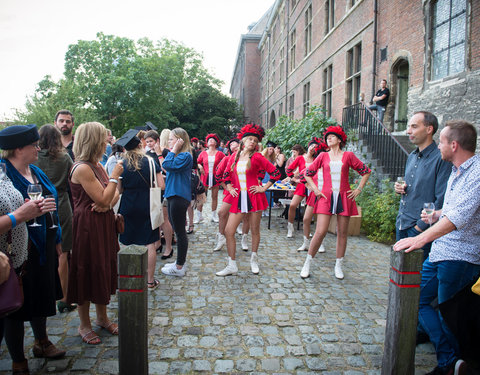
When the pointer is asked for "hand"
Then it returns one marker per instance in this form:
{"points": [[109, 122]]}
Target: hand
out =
{"points": [[98, 208], [4, 268], [29, 210], [117, 170], [352, 194], [285, 180], [48, 205], [409, 244], [158, 150], [233, 191], [178, 146], [399, 188], [430, 219], [318, 193], [255, 189]]}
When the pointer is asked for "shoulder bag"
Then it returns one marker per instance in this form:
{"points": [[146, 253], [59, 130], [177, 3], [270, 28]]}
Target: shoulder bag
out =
{"points": [[156, 208], [11, 291]]}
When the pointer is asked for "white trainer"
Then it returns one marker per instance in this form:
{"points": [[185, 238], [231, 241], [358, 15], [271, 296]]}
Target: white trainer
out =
{"points": [[338, 268], [306, 267], [254, 263], [221, 240], [174, 271], [230, 269], [290, 230], [245, 242], [214, 216], [169, 265], [321, 249], [305, 245]]}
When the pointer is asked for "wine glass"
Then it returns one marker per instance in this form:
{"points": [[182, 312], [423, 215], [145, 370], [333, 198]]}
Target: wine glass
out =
{"points": [[3, 170], [34, 191], [429, 210], [401, 181], [52, 216]]}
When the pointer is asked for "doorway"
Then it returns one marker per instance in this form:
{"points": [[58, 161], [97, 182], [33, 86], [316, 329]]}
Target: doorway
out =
{"points": [[273, 120], [401, 74]]}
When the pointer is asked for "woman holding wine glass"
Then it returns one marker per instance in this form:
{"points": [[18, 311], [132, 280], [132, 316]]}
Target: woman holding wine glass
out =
{"points": [[41, 283]]}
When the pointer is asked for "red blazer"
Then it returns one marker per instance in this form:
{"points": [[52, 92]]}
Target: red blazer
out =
{"points": [[203, 159]]}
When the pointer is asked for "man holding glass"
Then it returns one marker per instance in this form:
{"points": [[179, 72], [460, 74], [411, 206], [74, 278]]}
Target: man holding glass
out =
{"points": [[425, 179], [454, 261]]}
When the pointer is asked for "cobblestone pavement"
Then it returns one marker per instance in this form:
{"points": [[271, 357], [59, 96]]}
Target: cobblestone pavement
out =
{"points": [[271, 323]]}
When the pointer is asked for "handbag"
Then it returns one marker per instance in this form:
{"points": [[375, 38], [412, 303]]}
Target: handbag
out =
{"points": [[476, 287], [156, 208], [119, 223], [11, 291]]}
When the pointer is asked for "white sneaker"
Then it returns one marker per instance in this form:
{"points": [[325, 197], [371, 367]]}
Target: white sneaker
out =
{"points": [[306, 267], [169, 265], [305, 245], [174, 271], [321, 249], [214, 216], [245, 242], [290, 230], [230, 269], [221, 240], [239, 229], [338, 268], [254, 263]]}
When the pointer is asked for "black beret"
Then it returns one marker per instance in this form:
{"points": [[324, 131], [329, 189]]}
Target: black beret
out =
{"points": [[129, 140], [17, 136]]}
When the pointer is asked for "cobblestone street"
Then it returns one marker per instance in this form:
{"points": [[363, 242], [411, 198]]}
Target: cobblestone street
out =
{"points": [[271, 323]]}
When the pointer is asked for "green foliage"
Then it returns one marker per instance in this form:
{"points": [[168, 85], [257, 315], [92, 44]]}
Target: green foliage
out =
{"points": [[123, 84], [379, 211], [288, 132]]}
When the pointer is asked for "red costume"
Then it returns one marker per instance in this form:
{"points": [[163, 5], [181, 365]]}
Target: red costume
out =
{"points": [[203, 159], [299, 163], [219, 176], [335, 183]]}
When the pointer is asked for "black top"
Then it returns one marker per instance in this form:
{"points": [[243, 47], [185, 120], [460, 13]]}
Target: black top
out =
{"points": [[381, 92]]}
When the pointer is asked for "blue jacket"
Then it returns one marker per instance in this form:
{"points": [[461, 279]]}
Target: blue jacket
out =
{"points": [[179, 175]]}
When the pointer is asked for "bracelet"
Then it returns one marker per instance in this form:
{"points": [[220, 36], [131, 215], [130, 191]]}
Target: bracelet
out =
{"points": [[12, 218], [115, 181]]}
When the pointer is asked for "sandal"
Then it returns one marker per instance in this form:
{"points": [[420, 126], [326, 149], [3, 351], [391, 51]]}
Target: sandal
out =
{"points": [[89, 337], [153, 285], [110, 327], [190, 229]]}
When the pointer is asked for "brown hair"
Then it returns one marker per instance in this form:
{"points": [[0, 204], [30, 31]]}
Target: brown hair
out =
{"points": [[299, 149], [462, 132], [64, 112], [50, 140], [429, 119], [239, 151], [135, 156], [182, 134], [152, 134]]}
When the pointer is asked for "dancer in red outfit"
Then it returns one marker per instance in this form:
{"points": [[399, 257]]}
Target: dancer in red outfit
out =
{"points": [[241, 179], [336, 197], [208, 161]]}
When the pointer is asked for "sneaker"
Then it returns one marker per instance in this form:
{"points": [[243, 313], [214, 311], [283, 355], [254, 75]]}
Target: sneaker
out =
{"points": [[245, 242], [321, 249], [290, 230], [338, 268], [230, 269], [460, 367], [221, 240], [169, 265], [306, 267], [174, 271], [305, 245], [239, 229], [254, 263], [214, 216]]}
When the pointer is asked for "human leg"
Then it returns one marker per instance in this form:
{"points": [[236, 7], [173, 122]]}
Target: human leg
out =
{"points": [[62, 304], [222, 222], [234, 220], [103, 321], [167, 233], [342, 235], [43, 347], [214, 203], [151, 263], [307, 219], [14, 335], [177, 210], [291, 214], [190, 218], [320, 231], [255, 218], [245, 230]]}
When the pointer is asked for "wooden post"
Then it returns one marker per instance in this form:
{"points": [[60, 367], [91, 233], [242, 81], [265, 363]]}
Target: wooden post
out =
{"points": [[132, 311], [402, 313]]}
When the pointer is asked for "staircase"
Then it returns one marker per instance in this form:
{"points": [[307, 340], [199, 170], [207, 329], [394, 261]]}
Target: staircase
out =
{"points": [[384, 151]]}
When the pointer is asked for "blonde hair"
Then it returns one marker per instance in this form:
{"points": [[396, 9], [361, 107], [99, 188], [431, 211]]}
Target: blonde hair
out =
{"points": [[8, 154], [271, 158], [89, 144], [164, 135], [135, 156], [182, 134]]}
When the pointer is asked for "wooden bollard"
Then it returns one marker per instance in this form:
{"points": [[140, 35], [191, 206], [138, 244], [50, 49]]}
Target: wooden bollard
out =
{"points": [[402, 313], [132, 311]]}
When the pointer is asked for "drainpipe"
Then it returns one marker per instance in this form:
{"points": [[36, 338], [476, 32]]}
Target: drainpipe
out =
{"points": [[268, 81], [374, 67], [287, 26]]}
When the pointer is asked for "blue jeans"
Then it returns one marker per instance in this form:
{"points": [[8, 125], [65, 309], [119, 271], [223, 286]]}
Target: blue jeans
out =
{"points": [[380, 111], [412, 232], [443, 280]]}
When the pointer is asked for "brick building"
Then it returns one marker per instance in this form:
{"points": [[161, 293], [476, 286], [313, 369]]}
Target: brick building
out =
{"points": [[329, 52]]}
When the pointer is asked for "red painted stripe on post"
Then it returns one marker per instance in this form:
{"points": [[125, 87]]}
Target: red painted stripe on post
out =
{"points": [[406, 272], [130, 276], [131, 290], [405, 285]]}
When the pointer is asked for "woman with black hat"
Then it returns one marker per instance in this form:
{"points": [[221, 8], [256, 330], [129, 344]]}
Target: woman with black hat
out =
{"points": [[93, 269], [41, 284], [336, 197]]}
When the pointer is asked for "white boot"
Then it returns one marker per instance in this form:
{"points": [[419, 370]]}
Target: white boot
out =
{"points": [[221, 240], [305, 245], [214, 216], [306, 267], [230, 269], [254, 263], [245, 242], [239, 229], [197, 217], [338, 268], [290, 230], [322, 249]]}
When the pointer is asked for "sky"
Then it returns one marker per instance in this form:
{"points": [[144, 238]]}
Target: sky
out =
{"points": [[35, 34]]}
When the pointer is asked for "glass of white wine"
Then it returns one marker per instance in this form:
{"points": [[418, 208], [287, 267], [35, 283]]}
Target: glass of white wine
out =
{"points": [[3, 170], [34, 191], [401, 181], [53, 226], [429, 210]]}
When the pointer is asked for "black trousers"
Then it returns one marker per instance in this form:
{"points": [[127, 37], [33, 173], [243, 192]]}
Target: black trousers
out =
{"points": [[177, 214]]}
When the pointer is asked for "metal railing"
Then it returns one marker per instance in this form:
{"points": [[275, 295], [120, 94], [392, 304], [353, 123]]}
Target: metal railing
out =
{"points": [[391, 155]]}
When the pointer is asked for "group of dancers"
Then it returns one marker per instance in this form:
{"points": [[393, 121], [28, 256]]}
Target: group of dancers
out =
{"points": [[322, 174]]}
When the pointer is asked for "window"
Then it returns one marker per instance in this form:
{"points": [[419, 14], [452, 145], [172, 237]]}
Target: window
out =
{"points": [[329, 15], [280, 109], [273, 75], [306, 98], [327, 90], [294, 2], [291, 108], [354, 67], [352, 2], [293, 39], [308, 30], [448, 37], [282, 64]]}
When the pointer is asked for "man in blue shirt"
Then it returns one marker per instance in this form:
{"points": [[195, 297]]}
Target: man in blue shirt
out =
{"points": [[426, 176], [454, 261]]}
